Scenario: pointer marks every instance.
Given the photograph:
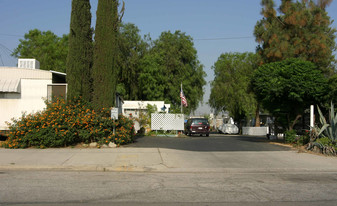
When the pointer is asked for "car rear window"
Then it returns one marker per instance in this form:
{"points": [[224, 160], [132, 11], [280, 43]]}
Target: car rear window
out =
{"points": [[200, 121]]}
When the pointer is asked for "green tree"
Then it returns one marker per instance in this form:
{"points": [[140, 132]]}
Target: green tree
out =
{"points": [[46, 47], [171, 61], [288, 87], [301, 30], [152, 81], [132, 49], [332, 93], [105, 54], [79, 60], [231, 88]]}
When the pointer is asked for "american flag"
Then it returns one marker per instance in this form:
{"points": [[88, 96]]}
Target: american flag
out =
{"points": [[183, 98]]}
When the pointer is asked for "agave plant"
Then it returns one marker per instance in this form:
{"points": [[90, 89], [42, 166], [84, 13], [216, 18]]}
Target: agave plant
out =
{"points": [[329, 129], [324, 149]]}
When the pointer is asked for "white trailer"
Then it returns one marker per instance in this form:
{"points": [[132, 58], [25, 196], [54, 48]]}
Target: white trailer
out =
{"points": [[24, 90]]}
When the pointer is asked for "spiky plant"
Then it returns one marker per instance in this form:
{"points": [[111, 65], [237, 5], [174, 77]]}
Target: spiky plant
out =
{"points": [[328, 129]]}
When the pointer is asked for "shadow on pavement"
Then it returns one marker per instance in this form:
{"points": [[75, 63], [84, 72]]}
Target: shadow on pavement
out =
{"points": [[215, 142]]}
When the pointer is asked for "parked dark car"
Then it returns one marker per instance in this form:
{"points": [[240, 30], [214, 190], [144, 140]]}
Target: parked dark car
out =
{"points": [[197, 126]]}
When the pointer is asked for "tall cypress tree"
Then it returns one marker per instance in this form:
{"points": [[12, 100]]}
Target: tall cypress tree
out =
{"points": [[105, 54], [79, 60]]}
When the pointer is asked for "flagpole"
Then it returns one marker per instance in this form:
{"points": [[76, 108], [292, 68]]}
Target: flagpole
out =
{"points": [[181, 101]]}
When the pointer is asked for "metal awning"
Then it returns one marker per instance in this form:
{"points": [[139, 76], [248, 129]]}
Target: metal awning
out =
{"points": [[10, 85], [58, 77]]}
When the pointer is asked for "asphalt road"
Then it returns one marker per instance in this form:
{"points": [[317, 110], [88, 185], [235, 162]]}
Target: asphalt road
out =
{"points": [[139, 188], [213, 143]]}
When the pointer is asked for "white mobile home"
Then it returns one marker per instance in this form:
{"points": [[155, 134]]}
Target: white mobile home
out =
{"points": [[134, 107], [26, 89]]}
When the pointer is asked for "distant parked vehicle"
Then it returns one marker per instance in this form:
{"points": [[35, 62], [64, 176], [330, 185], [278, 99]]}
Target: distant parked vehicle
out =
{"points": [[197, 126], [228, 127]]}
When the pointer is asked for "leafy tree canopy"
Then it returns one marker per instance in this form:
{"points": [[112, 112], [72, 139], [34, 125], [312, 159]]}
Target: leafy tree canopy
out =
{"points": [[46, 47], [332, 95], [289, 87], [171, 61], [301, 30], [231, 89], [132, 49]]}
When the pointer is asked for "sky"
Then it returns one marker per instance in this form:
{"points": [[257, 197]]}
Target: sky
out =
{"points": [[216, 26]]}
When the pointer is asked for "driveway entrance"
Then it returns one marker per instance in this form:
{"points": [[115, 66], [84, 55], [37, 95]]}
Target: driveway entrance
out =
{"points": [[215, 142]]}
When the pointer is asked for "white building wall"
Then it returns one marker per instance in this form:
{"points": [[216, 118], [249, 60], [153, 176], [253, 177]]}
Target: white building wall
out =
{"points": [[30, 100]]}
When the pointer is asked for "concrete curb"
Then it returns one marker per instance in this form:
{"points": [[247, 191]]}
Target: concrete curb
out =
{"points": [[163, 169]]}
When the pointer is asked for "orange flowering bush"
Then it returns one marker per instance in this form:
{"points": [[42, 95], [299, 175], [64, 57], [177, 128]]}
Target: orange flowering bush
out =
{"points": [[65, 123]]}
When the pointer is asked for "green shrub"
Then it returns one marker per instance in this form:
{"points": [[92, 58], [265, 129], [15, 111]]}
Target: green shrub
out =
{"points": [[302, 140], [65, 123], [325, 141], [290, 136]]}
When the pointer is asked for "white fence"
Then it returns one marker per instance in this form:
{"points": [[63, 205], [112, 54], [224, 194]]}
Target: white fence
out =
{"points": [[257, 131], [163, 121]]}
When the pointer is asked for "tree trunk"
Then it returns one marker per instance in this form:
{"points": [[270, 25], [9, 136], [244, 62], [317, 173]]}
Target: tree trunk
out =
{"points": [[257, 116], [294, 122]]}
